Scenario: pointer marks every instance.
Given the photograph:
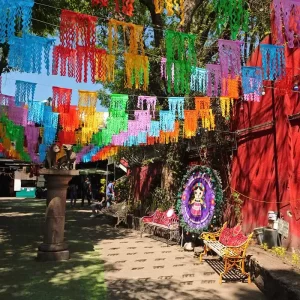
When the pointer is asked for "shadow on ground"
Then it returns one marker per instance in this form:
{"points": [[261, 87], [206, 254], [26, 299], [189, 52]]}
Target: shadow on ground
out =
{"points": [[21, 277]]}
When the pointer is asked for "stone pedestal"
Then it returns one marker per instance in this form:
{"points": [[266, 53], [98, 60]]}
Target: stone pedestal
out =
{"points": [[54, 247]]}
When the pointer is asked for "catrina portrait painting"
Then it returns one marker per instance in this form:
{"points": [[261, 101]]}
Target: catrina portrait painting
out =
{"points": [[200, 198]]}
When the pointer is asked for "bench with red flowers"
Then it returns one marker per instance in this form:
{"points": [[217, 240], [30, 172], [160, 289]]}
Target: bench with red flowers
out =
{"points": [[160, 221], [230, 244]]}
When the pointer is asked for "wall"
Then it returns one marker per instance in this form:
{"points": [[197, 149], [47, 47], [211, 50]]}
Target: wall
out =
{"points": [[254, 170]]}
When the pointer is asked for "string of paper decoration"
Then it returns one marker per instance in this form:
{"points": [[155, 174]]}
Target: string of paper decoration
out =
{"points": [[25, 92], [171, 6], [273, 61], [286, 21], [176, 106], [15, 17], [70, 121], [230, 58], [285, 85], [61, 99], [190, 123], [181, 56], [225, 103], [28, 52], [17, 114], [233, 13], [231, 87], [127, 6], [214, 83], [167, 120], [252, 83], [199, 80], [36, 112], [150, 103], [167, 137]]}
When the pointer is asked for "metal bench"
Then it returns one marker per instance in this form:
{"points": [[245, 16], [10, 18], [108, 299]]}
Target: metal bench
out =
{"points": [[231, 245], [117, 210], [165, 221]]}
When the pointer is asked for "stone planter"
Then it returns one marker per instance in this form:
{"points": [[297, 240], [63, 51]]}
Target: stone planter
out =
{"points": [[54, 247]]}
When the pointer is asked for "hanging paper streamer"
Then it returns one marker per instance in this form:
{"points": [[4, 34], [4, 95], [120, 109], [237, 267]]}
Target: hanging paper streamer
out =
{"points": [[24, 92], [105, 153], [77, 49], [171, 136], [176, 105], [230, 88], [150, 102], [61, 99], [69, 121], [172, 6], [273, 61], [181, 56], [5, 100], [199, 80], [202, 106], [12, 14], [17, 114], [50, 118], [28, 52], [118, 104], [143, 119], [36, 112], [285, 85], [137, 71], [32, 135], [154, 129], [42, 152], [67, 137], [167, 120], [252, 82], [77, 29], [225, 104], [214, 80], [286, 14], [163, 68], [208, 122], [83, 151], [119, 139], [190, 123], [87, 103], [230, 58], [88, 156], [127, 6], [233, 13]]}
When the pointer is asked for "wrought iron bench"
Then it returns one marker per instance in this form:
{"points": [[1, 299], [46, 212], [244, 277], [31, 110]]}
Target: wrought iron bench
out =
{"points": [[117, 210], [231, 245], [162, 221]]}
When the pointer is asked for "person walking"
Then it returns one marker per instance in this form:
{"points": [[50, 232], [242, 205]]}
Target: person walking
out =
{"points": [[73, 194], [110, 193], [86, 192]]}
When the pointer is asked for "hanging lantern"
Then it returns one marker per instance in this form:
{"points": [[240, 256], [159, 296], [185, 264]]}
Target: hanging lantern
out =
{"points": [[214, 83], [61, 99], [230, 58], [176, 105], [25, 92], [273, 61], [232, 13], [190, 123], [199, 80], [252, 83]]}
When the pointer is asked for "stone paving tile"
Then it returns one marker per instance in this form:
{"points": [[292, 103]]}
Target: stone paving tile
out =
{"points": [[146, 269]]}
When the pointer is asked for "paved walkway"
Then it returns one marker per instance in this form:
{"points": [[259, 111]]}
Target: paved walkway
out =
{"points": [[106, 263], [145, 268]]}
